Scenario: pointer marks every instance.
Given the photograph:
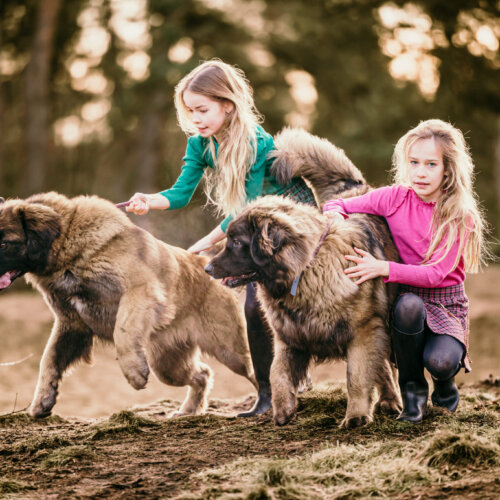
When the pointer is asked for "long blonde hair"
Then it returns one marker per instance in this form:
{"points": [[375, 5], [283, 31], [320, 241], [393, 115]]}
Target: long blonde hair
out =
{"points": [[457, 213], [225, 184]]}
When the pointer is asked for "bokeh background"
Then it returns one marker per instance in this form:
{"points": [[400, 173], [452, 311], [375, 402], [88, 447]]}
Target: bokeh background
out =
{"points": [[86, 95], [86, 107]]}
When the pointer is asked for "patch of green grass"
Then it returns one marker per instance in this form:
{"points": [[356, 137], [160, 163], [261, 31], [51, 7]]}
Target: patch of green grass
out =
{"points": [[23, 419], [130, 419], [341, 471], [126, 422], [13, 486], [274, 474], [66, 455], [35, 443], [381, 459], [461, 450]]}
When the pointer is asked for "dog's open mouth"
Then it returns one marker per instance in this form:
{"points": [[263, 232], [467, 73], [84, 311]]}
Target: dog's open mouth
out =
{"points": [[234, 281], [7, 279]]}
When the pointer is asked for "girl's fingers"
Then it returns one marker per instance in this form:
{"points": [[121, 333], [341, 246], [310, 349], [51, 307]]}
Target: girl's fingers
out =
{"points": [[353, 272], [354, 258], [360, 251]]}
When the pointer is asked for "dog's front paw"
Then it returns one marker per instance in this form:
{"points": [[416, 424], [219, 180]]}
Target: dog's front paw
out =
{"points": [[284, 408], [390, 406], [43, 403], [136, 373], [355, 421], [180, 413]]}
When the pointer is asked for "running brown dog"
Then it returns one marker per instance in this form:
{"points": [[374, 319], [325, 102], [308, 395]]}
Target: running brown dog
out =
{"points": [[273, 242], [105, 278]]}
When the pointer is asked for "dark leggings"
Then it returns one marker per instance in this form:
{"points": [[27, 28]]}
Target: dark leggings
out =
{"points": [[259, 339], [442, 353]]}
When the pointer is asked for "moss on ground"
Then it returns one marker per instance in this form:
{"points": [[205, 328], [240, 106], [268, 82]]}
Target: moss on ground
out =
{"points": [[13, 486], [66, 455], [213, 456]]}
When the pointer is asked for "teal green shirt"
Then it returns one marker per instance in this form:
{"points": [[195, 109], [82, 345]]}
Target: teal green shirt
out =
{"points": [[259, 180]]}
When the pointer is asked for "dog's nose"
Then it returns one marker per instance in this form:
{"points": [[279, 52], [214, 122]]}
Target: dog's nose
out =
{"points": [[209, 268]]}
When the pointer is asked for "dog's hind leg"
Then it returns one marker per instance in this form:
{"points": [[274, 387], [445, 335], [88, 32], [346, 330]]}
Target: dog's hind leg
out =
{"points": [[288, 369], [67, 344], [363, 361], [389, 401], [200, 383], [180, 366]]}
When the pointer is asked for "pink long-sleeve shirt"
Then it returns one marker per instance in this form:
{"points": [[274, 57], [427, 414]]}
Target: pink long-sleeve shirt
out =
{"points": [[409, 219]]}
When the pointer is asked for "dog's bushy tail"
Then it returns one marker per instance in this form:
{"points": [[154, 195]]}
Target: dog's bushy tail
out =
{"points": [[326, 168]]}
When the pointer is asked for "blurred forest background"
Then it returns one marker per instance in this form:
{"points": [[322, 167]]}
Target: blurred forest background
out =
{"points": [[86, 89]]}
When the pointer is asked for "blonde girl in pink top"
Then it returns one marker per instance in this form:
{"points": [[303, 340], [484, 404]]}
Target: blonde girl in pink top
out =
{"points": [[438, 228]]}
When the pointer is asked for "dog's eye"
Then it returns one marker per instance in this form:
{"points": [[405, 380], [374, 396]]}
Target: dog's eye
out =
{"points": [[236, 243], [3, 244]]}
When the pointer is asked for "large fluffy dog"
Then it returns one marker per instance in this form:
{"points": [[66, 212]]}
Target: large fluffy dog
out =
{"points": [[105, 278], [274, 240]]}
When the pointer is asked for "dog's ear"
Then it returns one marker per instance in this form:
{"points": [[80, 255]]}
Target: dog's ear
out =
{"points": [[2, 200], [267, 239], [42, 226]]}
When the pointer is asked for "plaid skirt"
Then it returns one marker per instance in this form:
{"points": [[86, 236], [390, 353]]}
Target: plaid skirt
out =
{"points": [[447, 311], [300, 192]]}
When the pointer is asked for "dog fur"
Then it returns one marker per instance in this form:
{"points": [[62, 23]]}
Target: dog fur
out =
{"points": [[273, 241], [105, 278]]}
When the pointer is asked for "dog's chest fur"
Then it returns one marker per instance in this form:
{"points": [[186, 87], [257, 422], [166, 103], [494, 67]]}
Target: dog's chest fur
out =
{"points": [[313, 331], [94, 301]]}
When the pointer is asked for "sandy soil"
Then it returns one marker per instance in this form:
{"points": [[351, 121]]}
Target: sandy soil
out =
{"points": [[101, 389]]}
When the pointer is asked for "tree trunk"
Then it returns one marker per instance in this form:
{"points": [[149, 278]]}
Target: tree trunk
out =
{"points": [[37, 75], [496, 170], [147, 158], [2, 135]]}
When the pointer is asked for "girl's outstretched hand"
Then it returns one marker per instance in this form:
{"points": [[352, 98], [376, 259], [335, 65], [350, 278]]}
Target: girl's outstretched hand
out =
{"points": [[139, 204], [367, 266]]}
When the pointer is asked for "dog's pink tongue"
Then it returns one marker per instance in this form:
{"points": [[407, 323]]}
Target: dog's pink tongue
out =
{"points": [[5, 280]]}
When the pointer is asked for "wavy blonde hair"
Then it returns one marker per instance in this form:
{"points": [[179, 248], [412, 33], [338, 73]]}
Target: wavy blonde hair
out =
{"points": [[457, 212], [225, 184]]}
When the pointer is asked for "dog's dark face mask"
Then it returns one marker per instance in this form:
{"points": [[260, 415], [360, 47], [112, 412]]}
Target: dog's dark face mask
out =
{"points": [[250, 253], [26, 237]]}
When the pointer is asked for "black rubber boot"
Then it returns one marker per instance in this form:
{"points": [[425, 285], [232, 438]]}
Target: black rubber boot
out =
{"points": [[445, 394], [261, 350], [408, 349]]}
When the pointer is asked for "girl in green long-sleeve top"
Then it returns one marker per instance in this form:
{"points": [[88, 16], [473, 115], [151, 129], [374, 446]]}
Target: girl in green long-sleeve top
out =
{"points": [[215, 108]]}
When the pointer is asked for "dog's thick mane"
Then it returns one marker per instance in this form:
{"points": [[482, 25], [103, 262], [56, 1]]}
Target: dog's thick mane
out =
{"points": [[95, 217], [284, 211], [297, 227], [325, 167]]}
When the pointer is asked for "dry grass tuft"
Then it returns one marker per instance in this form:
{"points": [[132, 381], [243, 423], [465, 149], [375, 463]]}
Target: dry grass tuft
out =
{"points": [[461, 450], [35, 443], [66, 455], [22, 419], [126, 422], [13, 486]]}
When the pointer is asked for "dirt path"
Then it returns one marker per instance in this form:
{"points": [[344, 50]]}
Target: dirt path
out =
{"points": [[101, 389], [142, 454]]}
